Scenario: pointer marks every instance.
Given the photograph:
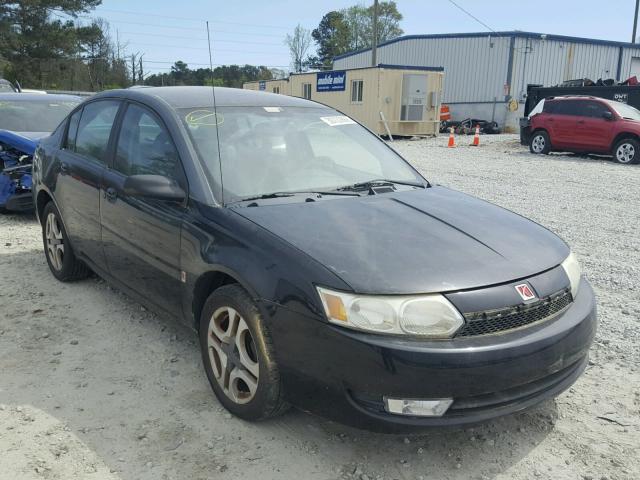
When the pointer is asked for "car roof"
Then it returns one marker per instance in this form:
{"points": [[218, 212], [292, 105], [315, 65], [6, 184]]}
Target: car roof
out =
{"points": [[575, 97], [189, 97], [38, 97]]}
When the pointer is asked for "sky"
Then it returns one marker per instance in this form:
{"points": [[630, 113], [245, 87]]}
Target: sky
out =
{"points": [[253, 31]]}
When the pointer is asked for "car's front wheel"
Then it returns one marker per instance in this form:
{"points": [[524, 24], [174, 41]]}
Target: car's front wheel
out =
{"points": [[62, 261], [238, 355], [539, 143], [627, 151]]}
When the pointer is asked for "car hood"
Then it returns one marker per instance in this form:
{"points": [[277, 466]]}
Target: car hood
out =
{"points": [[419, 241], [24, 141]]}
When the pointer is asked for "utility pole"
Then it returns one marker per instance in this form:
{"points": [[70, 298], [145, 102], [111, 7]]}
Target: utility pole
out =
{"points": [[140, 71], [635, 22], [374, 45], [133, 68]]}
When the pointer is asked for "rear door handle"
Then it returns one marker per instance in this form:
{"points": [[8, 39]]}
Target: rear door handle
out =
{"points": [[580, 121], [110, 194]]}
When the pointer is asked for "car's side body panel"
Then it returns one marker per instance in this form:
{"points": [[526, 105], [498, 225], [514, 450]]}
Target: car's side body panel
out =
{"points": [[141, 238]]}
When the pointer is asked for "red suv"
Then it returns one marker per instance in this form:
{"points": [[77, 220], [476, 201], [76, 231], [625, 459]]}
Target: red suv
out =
{"points": [[586, 125]]}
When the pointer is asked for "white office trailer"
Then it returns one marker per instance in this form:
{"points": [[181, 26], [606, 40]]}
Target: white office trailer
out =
{"points": [[488, 73], [388, 99]]}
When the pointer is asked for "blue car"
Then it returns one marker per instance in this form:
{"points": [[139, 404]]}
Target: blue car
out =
{"points": [[25, 118]]}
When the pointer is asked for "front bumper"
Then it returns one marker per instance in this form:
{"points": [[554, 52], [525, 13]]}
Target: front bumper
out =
{"points": [[21, 202], [344, 374]]}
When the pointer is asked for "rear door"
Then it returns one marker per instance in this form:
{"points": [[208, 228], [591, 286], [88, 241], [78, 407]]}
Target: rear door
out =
{"points": [[82, 161], [593, 132], [562, 123], [141, 236]]}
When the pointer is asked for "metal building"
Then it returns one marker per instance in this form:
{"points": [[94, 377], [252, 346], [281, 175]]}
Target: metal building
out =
{"points": [[487, 73]]}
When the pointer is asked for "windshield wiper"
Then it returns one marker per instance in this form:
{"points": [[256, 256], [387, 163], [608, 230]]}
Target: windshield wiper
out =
{"points": [[266, 196], [381, 182]]}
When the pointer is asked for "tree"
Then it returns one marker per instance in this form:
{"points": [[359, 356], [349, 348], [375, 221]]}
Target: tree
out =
{"points": [[332, 37], [388, 22], [359, 24], [359, 21], [42, 47], [180, 73], [298, 44], [223, 76], [352, 29]]}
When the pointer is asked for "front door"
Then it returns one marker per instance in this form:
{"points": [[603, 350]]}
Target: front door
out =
{"points": [[594, 131], [82, 163], [141, 236]]}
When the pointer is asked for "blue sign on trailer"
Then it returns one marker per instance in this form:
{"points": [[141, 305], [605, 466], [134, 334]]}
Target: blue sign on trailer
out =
{"points": [[262, 85], [331, 81]]}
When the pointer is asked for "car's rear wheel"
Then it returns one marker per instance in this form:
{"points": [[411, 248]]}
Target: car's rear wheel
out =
{"points": [[627, 151], [62, 262], [539, 143], [238, 355]]}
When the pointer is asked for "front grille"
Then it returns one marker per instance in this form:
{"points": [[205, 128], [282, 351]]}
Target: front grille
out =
{"points": [[495, 321]]}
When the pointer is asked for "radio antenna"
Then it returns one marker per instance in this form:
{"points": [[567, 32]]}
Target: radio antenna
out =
{"points": [[215, 108]]}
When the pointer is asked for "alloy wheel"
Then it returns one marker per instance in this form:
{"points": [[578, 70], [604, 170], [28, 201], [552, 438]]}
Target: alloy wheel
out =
{"points": [[55, 241], [625, 153], [233, 355], [538, 144]]}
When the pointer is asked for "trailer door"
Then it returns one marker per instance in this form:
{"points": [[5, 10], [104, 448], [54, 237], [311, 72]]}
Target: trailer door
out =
{"points": [[414, 97]]}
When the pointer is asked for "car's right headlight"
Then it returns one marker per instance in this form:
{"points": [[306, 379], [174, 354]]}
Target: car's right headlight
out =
{"points": [[429, 315], [572, 269]]}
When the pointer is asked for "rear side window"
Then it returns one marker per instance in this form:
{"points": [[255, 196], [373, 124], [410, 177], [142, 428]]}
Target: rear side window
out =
{"points": [[145, 147], [550, 106], [572, 107], [72, 131], [94, 129]]}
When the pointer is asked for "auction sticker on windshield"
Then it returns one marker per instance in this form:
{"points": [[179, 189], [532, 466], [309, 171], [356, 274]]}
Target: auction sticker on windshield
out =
{"points": [[336, 120]]}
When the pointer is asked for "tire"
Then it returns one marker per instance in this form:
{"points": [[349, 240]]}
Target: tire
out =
{"points": [[60, 257], [238, 355], [539, 143], [627, 151]]}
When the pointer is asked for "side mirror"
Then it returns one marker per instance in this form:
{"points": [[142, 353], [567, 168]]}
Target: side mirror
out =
{"points": [[153, 186], [607, 115]]}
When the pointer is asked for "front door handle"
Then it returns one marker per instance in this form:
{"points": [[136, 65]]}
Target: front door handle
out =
{"points": [[110, 194]]}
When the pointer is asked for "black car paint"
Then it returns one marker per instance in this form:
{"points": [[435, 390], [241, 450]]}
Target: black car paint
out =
{"points": [[370, 242], [325, 368]]}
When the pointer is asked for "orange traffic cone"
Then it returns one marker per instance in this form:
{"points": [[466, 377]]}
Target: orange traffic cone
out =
{"points": [[452, 142], [476, 137]]}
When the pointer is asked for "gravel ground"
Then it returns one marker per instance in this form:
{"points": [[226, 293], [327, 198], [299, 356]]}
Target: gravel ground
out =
{"points": [[93, 386]]}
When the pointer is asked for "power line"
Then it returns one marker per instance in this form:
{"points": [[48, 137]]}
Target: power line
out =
{"points": [[199, 38], [190, 19], [229, 32], [181, 27], [181, 47], [206, 64], [472, 16]]}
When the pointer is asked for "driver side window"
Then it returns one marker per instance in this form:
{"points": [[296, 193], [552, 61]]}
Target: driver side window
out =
{"points": [[144, 146]]}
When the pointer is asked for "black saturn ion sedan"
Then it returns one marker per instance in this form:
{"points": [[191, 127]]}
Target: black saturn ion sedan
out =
{"points": [[317, 266]]}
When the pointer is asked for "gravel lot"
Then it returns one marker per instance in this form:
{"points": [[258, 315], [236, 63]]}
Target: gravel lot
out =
{"points": [[93, 386]]}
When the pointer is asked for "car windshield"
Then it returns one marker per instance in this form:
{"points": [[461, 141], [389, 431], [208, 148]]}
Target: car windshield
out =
{"points": [[625, 111], [289, 149], [33, 115]]}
